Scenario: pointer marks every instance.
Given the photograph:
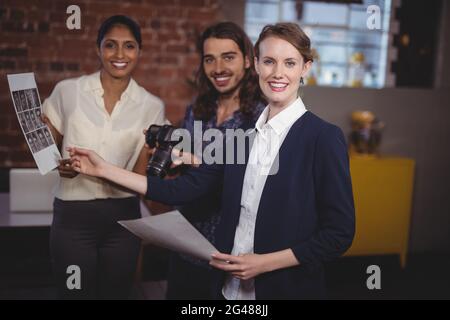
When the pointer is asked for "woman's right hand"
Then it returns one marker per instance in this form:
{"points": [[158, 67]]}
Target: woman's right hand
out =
{"points": [[87, 162], [55, 134], [65, 169], [46, 120]]}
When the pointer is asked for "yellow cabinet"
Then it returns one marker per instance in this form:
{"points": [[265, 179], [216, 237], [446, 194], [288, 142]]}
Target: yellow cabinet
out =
{"points": [[382, 188]]}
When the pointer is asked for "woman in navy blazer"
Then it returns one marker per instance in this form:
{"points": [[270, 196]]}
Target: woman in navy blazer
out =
{"points": [[278, 227]]}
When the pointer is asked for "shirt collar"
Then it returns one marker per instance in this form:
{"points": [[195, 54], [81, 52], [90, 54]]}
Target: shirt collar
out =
{"points": [[284, 119], [93, 83], [262, 119]]}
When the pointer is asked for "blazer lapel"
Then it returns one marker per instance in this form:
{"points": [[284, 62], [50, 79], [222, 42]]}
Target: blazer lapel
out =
{"points": [[285, 157]]}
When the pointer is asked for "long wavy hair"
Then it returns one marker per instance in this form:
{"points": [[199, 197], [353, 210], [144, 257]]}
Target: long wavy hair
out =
{"points": [[205, 105]]}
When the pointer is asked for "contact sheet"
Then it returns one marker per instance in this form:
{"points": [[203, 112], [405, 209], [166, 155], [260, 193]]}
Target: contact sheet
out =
{"points": [[27, 104]]}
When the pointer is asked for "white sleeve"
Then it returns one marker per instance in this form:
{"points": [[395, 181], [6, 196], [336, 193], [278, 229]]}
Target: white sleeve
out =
{"points": [[161, 119]]}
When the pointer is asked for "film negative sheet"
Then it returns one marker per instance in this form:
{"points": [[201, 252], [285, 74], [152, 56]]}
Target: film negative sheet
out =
{"points": [[27, 104]]}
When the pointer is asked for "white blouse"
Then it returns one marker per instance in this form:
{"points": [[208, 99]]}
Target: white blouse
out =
{"points": [[76, 109]]}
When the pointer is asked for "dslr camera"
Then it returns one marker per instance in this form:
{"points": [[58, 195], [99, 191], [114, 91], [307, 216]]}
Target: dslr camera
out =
{"points": [[161, 138]]}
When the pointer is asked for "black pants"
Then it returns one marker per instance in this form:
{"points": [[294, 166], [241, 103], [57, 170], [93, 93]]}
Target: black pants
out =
{"points": [[188, 281], [86, 234]]}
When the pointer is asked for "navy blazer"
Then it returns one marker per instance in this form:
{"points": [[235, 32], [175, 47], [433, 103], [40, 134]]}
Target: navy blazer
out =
{"points": [[307, 207]]}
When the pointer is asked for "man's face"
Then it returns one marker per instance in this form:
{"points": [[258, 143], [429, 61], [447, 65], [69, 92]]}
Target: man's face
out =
{"points": [[224, 64]]}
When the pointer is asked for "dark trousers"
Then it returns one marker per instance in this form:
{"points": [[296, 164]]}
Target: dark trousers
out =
{"points": [[188, 281], [86, 234]]}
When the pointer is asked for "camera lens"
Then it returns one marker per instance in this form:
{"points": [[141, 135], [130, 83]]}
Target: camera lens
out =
{"points": [[161, 138], [159, 163]]}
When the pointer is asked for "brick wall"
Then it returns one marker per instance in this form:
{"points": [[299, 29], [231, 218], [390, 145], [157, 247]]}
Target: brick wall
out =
{"points": [[34, 37]]}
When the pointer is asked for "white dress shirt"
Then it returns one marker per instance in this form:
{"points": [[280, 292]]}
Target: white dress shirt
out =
{"points": [[77, 110], [263, 161]]}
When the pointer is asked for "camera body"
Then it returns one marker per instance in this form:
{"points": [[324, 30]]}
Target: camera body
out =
{"points": [[161, 138]]}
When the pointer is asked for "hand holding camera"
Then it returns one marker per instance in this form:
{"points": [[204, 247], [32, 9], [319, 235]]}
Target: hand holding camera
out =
{"points": [[161, 142]]}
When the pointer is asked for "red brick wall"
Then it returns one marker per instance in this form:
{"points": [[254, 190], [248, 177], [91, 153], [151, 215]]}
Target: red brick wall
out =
{"points": [[34, 37]]}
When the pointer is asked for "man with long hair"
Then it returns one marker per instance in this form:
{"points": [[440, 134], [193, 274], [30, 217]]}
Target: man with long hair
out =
{"points": [[229, 97]]}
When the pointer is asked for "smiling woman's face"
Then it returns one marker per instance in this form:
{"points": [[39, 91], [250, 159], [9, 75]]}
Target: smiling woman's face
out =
{"points": [[280, 67], [119, 52]]}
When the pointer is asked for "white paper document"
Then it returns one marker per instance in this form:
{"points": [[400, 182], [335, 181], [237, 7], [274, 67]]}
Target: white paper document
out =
{"points": [[172, 231], [27, 104]]}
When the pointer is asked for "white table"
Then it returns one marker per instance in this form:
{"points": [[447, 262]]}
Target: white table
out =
{"points": [[21, 219], [31, 219]]}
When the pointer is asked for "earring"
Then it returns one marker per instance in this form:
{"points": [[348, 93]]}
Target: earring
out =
{"points": [[301, 81]]}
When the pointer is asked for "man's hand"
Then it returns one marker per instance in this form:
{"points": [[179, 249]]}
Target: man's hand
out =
{"points": [[182, 157], [178, 157], [87, 162]]}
